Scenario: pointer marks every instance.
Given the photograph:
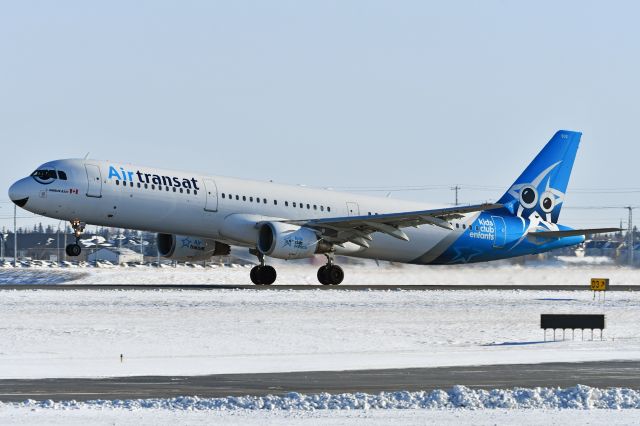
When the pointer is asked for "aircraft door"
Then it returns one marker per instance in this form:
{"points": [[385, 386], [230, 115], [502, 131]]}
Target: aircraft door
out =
{"points": [[94, 181], [500, 231], [353, 209], [211, 194]]}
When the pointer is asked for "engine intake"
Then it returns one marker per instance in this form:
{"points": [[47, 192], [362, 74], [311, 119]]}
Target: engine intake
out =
{"points": [[185, 248], [285, 241]]}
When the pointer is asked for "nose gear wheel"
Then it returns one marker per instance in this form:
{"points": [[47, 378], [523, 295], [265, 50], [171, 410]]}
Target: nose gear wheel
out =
{"points": [[74, 250]]}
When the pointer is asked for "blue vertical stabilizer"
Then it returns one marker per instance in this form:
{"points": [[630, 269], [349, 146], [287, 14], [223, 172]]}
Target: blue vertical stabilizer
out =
{"points": [[541, 187]]}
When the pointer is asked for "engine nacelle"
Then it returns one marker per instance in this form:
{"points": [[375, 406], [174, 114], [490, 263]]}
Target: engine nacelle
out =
{"points": [[285, 241], [189, 249]]}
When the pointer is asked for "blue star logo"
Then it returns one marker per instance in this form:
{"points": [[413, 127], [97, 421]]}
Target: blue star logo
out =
{"points": [[464, 254], [186, 242]]}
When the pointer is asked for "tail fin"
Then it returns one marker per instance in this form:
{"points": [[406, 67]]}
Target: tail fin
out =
{"points": [[541, 187]]}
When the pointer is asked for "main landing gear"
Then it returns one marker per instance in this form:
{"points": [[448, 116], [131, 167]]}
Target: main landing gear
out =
{"points": [[330, 274], [262, 274], [74, 250]]}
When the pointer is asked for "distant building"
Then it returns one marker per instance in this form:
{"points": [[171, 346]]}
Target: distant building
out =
{"points": [[115, 255]]}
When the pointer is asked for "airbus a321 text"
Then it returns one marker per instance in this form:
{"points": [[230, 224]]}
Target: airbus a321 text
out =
{"points": [[196, 216]]}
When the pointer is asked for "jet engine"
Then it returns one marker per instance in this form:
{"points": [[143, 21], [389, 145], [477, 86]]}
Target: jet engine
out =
{"points": [[285, 241], [189, 249]]}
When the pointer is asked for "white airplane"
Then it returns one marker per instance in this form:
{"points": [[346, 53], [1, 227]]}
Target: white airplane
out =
{"points": [[196, 217]]}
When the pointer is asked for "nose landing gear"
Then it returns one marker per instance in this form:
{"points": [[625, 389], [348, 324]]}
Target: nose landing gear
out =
{"points": [[330, 274], [262, 274], [74, 250]]}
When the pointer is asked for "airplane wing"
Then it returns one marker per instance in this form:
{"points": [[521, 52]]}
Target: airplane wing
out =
{"points": [[571, 233], [357, 229]]}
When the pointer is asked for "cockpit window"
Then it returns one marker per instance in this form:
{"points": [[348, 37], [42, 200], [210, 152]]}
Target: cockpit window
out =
{"points": [[62, 175], [44, 174]]}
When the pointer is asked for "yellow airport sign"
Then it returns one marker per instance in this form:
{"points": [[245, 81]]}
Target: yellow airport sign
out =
{"points": [[599, 284]]}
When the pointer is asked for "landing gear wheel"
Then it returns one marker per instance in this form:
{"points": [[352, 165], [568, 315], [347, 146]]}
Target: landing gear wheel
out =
{"points": [[73, 250], [254, 275], [322, 275], [335, 274], [263, 275], [267, 275], [330, 275]]}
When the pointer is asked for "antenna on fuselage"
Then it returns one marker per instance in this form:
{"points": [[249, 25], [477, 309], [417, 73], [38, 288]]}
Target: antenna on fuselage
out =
{"points": [[86, 155]]}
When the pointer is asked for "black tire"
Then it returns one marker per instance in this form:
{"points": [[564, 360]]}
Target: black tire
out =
{"points": [[323, 275], [73, 250], [255, 275], [335, 274], [267, 275]]}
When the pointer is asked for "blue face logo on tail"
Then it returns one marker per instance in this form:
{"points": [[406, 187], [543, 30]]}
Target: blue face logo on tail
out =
{"points": [[537, 195], [540, 189]]}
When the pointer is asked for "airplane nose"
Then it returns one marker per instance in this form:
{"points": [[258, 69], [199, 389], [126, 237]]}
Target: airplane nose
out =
{"points": [[18, 194]]}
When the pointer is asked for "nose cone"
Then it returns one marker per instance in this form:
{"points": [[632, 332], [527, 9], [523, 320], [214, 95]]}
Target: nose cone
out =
{"points": [[18, 193]]}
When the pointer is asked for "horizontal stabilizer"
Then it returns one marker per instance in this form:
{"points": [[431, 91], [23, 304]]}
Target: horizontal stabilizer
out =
{"points": [[571, 233]]}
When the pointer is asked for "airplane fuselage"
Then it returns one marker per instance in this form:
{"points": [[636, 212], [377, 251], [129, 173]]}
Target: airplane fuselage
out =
{"points": [[221, 208]]}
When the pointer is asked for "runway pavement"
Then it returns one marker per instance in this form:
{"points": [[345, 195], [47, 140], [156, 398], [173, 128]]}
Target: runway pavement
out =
{"points": [[598, 374], [379, 287]]}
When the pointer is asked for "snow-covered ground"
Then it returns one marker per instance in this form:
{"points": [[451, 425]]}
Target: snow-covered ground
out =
{"points": [[82, 417], [81, 333], [580, 405], [296, 273]]}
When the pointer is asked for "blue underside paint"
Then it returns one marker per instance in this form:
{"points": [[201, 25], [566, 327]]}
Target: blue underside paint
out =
{"points": [[493, 237]]}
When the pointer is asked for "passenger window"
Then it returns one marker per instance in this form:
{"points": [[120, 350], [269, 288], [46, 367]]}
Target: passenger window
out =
{"points": [[477, 227], [294, 204], [237, 197], [308, 206], [286, 204], [167, 188], [188, 191], [315, 207], [244, 198], [62, 175], [146, 186], [153, 187], [321, 208], [264, 201], [464, 226], [223, 195], [139, 185], [275, 202], [328, 208], [181, 191], [117, 182], [457, 225], [302, 205], [195, 192], [251, 199]]}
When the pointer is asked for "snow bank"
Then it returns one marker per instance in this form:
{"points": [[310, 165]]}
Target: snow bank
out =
{"points": [[460, 397]]}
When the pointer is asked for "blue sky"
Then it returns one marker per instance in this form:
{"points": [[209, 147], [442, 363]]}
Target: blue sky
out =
{"points": [[343, 94]]}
